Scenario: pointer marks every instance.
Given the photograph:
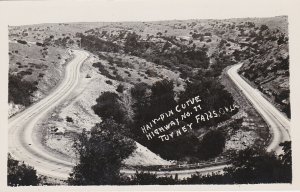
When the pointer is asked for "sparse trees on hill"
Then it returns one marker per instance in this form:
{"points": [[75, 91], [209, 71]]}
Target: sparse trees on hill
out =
{"points": [[94, 44]]}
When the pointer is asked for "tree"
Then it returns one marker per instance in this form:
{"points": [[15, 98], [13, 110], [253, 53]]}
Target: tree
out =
{"points": [[258, 166], [132, 44], [248, 166], [264, 27], [252, 166], [100, 155], [120, 88], [147, 178], [20, 174], [178, 148], [19, 90], [140, 105], [162, 97], [286, 157], [148, 107], [109, 106], [211, 145], [212, 93], [22, 41]]}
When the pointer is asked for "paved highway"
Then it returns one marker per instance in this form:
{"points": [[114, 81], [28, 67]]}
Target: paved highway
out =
{"points": [[24, 144], [279, 124], [184, 173]]}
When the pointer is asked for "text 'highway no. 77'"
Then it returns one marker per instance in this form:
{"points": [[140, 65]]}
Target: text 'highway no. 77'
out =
{"points": [[182, 118]]}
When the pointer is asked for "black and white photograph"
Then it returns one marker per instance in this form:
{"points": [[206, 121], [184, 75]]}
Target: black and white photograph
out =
{"points": [[159, 101]]}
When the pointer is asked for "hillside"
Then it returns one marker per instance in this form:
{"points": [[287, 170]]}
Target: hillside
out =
{"points": [[139, 70]]}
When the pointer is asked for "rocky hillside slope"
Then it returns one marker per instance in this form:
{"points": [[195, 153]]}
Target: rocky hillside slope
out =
{"points": [[268, 68], [185, 56]]}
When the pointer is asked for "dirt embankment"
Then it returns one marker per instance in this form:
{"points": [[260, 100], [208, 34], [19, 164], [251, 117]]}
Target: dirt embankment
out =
{"points": [[40, 67], [76, 114], [252, 130]]}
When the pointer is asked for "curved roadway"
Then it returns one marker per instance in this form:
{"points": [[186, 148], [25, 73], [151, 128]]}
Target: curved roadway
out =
{"points": [[24, 144], [279, 124]]}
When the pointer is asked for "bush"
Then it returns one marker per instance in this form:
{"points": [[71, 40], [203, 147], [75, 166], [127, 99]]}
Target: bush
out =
{"points": [[249, 166], [22, 42], [162, 97], [139, 90], [102, 70], [100, 155], [24, 73], [264, 27], [109, 82], [204, 87], [151, 73], [146, 178], [94, 44], [41, 75], [120, 88], [20, 91], [109, 106], [39, 44], [211, 145], [69, 119], [19, 174]]}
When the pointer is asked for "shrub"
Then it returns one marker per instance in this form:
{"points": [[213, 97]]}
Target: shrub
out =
{"points": [[109, 82], [41, 75], [102, 70], [264, 27], [20, 91], [151, 73], [22, 42], [19, 174], [24, 73], [100, 155], [119, 78], [39, 44], [93, 43], [109, 106], [69, 119], [211, 145], [120, 88]]}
